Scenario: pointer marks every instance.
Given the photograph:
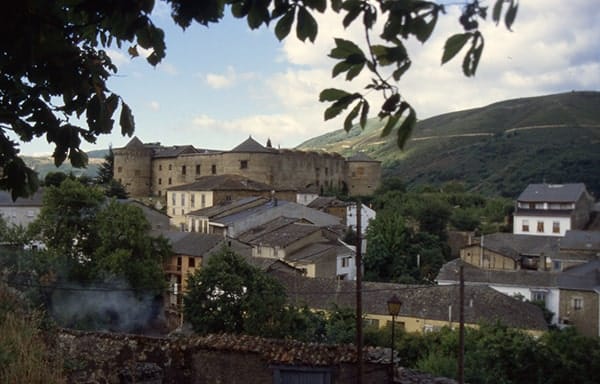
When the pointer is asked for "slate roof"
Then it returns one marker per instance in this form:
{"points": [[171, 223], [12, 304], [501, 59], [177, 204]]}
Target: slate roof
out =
{"points": [[228, 207], [513, 246], [192, 243], [227, 219], [474, 275], [223, 183], [252, 146], [584, 277], [362, 157], [173, 151], [281, 236], [482, 304], [34, 200], [313, 252], [559, 193], [322, 202], [260, 230], [581, 240]]}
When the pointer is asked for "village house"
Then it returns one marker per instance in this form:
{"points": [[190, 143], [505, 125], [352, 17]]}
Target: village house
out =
{"points": [[423, 309], [22, 211], [552, 209], [216, 190]]}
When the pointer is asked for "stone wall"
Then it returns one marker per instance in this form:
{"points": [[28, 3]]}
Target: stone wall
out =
{"points": [[113, 358]]}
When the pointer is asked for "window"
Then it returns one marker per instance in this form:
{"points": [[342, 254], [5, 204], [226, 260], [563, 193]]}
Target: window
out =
{"points": [[159, 181], [346, 262], [202, 200], [197, 169], [192, 200], [137, 172], [119, 169], [169, 181], [174, 198], [213, 169], [183, 169], [160, 167], [538, 296], [371, 322], [525, 226], [540, 226], [556, 227], [360, 171], [170, 167], [577, 303], [192, 262], [557, 265], [29, 213], [183, 199], [243, 164]]}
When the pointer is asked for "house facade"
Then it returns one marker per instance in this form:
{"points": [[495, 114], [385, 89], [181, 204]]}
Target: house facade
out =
{"points": [[552, 209], [22, 211]]}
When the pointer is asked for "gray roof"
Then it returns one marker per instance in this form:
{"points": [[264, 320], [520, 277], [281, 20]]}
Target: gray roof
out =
{"points": [[252, 146], [362, 157], [282, 236], [584, 277], [156, 218], [34, 200], [174, 151], [223, 183], [229, 207], [581, 240], [516, 278], [192, 243], [313, 252], [326, 202], [514, 246], [482, 304], [559, 193], [228, 219], [260, 230]]}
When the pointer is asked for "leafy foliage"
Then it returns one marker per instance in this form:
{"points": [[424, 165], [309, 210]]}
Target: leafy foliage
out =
{"points": [[229, 295], [55, 68]]}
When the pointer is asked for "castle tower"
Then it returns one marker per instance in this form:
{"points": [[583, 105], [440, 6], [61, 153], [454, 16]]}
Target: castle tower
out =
{"points": [[133, 167], [363, 175]]}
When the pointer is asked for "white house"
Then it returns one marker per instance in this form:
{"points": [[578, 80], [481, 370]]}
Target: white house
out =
{"points": [[552, 209], [22, 211], [367, 214]]}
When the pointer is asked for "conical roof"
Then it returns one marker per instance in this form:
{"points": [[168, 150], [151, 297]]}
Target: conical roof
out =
{"points": [[251, 145]]}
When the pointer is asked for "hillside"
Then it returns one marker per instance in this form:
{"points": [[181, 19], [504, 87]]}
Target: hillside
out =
{"points": [[497, 149]]}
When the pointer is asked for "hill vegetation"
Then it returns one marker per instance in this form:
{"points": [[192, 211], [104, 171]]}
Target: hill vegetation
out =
{"points": [[495, 150]]}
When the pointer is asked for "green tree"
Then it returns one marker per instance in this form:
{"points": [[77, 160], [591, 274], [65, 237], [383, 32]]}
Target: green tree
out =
{"points": [[66, 225], [387, 244], [229, 295], [125, 248], [106, 170], [55, 68]]}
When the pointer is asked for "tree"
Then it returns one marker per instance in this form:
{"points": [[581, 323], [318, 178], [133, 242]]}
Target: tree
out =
{"points": [[388, 242], [106, 170], [55, 68], [229, 295], [125, 249]]}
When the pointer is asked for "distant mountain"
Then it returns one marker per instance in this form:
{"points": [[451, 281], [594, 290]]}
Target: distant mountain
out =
{"points": [[497, 149]]}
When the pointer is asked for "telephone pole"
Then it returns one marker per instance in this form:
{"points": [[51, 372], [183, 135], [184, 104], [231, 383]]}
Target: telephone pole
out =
{"points": [[359, 333]]}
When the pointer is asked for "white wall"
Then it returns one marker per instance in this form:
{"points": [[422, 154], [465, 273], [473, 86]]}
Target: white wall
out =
{"points": [[564, 223], [19, 215], [367, 215]]}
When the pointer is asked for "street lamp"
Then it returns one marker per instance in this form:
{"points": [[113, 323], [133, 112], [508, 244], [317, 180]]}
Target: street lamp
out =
{"points": [[393, 305]]}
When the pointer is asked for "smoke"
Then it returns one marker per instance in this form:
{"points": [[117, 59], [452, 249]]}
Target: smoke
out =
{"points": [[108, 306]]}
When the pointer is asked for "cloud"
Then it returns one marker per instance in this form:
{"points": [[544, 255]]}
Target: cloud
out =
{"points": [[168, 68], [227, 79], [203, 121], [154, 105]]}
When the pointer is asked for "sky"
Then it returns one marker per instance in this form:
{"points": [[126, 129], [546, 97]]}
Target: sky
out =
{"points": [[219, 85]]}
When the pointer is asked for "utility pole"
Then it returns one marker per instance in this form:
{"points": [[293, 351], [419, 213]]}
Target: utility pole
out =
{"points": [[461, 328], [359, 332]]}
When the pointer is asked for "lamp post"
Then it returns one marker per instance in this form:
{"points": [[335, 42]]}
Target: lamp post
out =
{"points": [[393, 305]]}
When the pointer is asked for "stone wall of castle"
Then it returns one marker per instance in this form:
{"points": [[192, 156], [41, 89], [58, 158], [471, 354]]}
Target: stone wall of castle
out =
{"points": [[144, 175]]}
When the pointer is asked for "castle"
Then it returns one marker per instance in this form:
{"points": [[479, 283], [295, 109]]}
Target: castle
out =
{"points": [[149, 169]]}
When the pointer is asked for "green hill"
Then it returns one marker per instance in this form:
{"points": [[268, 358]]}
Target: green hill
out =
{"points": [[497, 149]]}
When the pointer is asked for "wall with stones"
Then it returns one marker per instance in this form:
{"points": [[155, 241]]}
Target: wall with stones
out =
{"points": [[113, 358]]}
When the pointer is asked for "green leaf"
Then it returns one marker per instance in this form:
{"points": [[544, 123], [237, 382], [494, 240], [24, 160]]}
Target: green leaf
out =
{"points": [[351, 116], [389, 125], [497, 11], [511, 14], [340, 67], [354, 71], [340, 105], [406, 128], [319, 5], [344, 48], [390, 104], [284, 25], [78, 158], [351, 16], [336, 5], [126, 120], [471, 60], [454, 44], [332, 94], [364, 114], [306, 25], [423, 28]]}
